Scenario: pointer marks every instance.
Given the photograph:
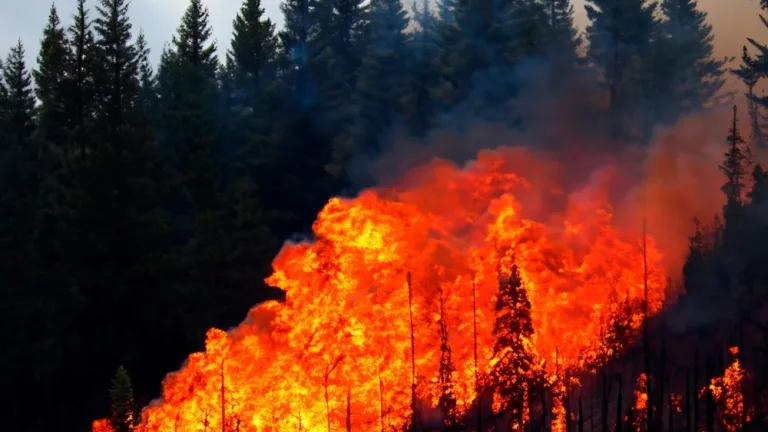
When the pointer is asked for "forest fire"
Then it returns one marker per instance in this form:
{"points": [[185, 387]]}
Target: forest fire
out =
{"points": [[728, 393], [400, 289]]}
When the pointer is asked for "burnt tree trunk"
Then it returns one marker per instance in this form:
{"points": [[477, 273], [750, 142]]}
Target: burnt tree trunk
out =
{"points": [[710, 402], [619, 404]]}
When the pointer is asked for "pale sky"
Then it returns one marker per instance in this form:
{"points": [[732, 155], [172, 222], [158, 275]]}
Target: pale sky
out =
{"points": [[733, 21]]}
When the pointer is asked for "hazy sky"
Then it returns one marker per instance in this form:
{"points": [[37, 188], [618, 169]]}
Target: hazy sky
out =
{"points": [[733, 21]]}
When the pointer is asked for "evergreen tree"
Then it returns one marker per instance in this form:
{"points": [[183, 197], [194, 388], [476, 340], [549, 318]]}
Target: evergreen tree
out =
{"points": [[421, 76], [447, 400], [735, 168], [381, 81], [748, 73], [253, 71], [294, 54], [20, 103], [147, 82], [81, 98], [562, 37], [3, 109], [125, 415], [695, 78], [51, 82], [117, 80], [513, 328], [620, 35], [340, 50]]}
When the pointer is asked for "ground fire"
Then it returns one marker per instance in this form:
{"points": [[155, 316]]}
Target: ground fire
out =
{"points": [[418, 295]]}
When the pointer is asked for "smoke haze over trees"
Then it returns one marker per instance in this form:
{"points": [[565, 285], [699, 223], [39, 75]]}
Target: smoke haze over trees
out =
{"points": [[141, 204]]}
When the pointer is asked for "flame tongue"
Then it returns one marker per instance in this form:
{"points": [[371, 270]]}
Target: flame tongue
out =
{"points": [[337, 353]]}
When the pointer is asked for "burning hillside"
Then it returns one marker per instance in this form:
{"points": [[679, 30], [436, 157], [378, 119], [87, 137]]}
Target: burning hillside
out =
{"points": [[403, 281]]}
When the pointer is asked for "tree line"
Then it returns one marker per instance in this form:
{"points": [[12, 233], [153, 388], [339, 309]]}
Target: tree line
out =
{"points": [[141, 204]]}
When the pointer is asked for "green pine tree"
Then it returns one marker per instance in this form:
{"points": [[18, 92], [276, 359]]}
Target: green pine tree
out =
{"points": [[117, 81], [51, 82], [621, 35], [20, 102], [81, 86], [381, 82], [694, 79], [125, 415]]}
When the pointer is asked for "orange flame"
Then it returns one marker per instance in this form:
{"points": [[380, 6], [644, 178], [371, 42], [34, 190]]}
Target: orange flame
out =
{"points": [[728, 392], [336, 355]]}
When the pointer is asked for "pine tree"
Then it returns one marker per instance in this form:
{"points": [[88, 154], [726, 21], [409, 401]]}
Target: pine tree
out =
{"points": [[513, 328], [340, 42], [254, 48], [447, 400], [188, 93], [620, 35], [81, 99], [254, 74], [421, 76], [695, 78], [147, 81], [294, 54], [562, 37], [381, 82], [51, 82], [117, 80], [3, 109], [125, 415], [735, 168], [20, 100], [748, 73]]}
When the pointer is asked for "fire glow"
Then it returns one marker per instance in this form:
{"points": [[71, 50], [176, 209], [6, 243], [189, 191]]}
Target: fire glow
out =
{"points": [[336, 354]]}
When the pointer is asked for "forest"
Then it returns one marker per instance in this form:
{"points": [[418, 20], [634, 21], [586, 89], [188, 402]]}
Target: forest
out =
{"points": [[143, 204]]}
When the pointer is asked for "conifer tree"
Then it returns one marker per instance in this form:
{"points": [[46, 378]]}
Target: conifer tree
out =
{"points": [[20, 102], [51, 82], [420, 75], [254, 73], [254, 48], [294, 54], [125, 415], [447, 400], [748, 73], [561, 36], [147, 81], [341, 39], [81, 100], [620, 35], [381, 82], [117, 80], [513, 328], [187, 87], [3, 109], [694, 77], [735, 168]]}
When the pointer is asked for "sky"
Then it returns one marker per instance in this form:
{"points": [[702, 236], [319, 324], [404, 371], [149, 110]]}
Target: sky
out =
{"points": [[733, 21]]}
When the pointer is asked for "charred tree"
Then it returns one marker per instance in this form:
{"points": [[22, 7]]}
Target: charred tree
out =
{"points": [[687, 402], [709, 397], [447, 401], [512, 328], [619, 404], [414, 413], [695, 389], [646, 337], [604, 406], [474, 349], [581, 416]]}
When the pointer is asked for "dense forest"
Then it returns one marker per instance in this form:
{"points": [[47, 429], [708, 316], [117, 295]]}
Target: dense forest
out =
{"points": [[142, 204]]}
